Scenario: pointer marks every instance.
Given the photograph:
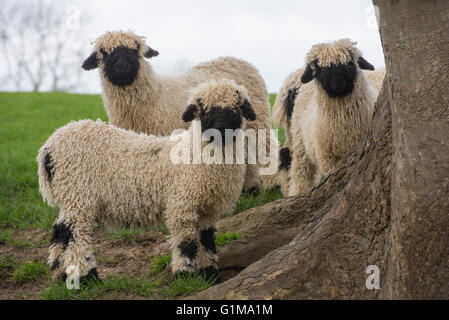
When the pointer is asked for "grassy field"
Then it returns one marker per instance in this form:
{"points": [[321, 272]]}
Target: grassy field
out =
{"points": [[126, 256]]}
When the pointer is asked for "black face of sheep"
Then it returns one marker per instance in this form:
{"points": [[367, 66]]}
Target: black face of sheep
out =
{"points": [[121, 66], [338, 80], [220, 118]]}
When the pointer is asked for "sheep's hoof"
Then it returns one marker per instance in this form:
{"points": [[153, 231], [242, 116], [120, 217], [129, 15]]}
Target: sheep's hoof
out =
{"points": [[211, 273], [254, 191], [92, 275]]}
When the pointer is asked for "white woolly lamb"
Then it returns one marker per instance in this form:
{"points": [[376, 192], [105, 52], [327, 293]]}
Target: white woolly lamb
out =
{"points": [[136, 98], [326, 117], [94, 171]]}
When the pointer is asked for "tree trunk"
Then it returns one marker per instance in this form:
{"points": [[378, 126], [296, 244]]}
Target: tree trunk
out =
{"points": [[386, 205], [415, 36]]}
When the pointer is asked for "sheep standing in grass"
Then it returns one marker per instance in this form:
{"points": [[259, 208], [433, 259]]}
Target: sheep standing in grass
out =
{"points": [[138, 99], [93, 171], [326, 117]]}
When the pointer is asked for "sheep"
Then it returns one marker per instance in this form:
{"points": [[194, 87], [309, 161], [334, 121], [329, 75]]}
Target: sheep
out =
{"points": [[326, 117], [93, 171], [375, 77], [136, 98], [283, 110]]}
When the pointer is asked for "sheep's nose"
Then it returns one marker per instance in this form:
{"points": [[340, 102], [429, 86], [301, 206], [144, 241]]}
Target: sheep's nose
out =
{"points": [[122, 66], [337, 85]]}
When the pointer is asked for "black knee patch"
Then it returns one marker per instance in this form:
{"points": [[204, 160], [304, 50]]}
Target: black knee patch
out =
{"points": [[207, 239], [62, 234], [49, 166], [285, 156], [289, 102], [189, 248]]}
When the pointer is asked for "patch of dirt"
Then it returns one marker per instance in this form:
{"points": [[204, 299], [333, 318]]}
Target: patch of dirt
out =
{"points": [[132, 258], [116, 258]]}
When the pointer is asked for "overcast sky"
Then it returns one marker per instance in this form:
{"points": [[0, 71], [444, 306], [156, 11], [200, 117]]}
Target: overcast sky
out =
{"points": [[273, 35]]}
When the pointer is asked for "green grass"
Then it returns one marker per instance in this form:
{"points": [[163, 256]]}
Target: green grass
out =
{"points": [[7, 265], [156, 288], [28, 119], [223, 238], [271, 98], [7, 238], [111, 261], [281, 131], [31, 271], [249, 201], [185, 285], [159, 263], [95, 289], [124, 235], [22, 244]]}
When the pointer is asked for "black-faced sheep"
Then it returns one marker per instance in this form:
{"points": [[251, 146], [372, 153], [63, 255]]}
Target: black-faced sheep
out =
{"points": [[94, 171], [136, 98], [324, 118]]}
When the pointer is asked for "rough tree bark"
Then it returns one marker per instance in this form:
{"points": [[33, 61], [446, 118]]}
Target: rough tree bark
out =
{"points": [[416, 44], [386, 205]]}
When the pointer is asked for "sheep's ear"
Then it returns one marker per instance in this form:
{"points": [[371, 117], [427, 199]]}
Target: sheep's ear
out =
{"points": [[91, 62], [365, 65], [190, 113], [307, 76], [150, 53], [247, 110]]}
